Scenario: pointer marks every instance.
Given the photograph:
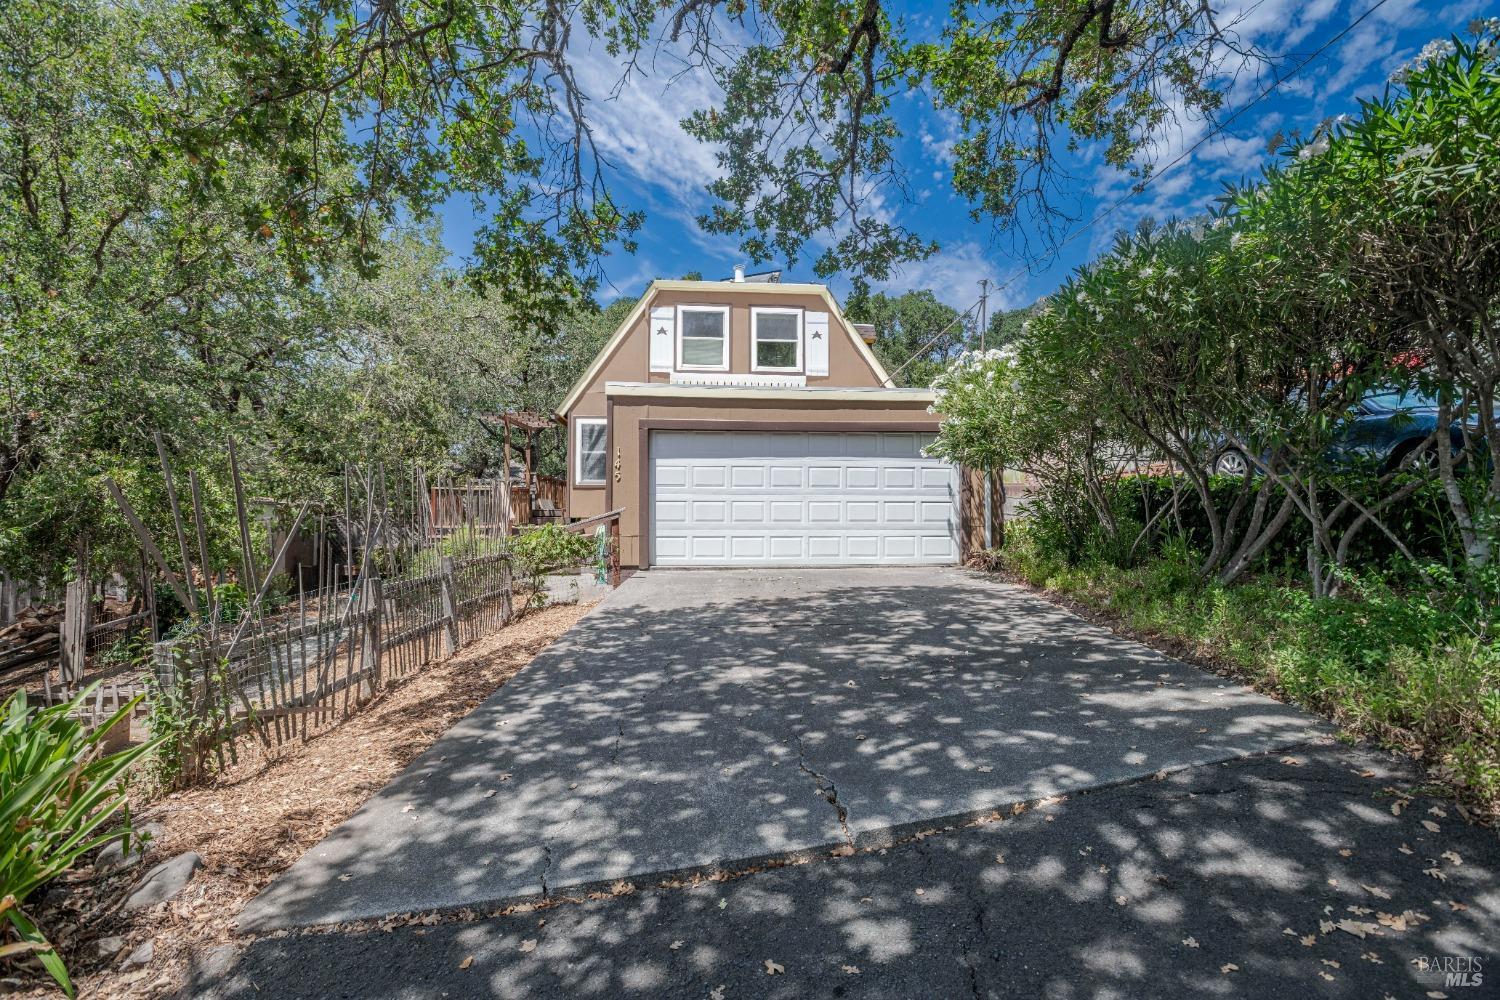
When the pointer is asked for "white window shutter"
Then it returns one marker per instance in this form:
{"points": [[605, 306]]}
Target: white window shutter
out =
{"points": [[815, 330], [663, 333]]}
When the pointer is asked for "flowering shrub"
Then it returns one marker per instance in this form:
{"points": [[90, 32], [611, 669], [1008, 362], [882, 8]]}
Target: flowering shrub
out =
{"points": [[1369, 258]]}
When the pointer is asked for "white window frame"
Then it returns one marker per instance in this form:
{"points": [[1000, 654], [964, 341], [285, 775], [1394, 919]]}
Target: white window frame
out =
{"points": [[723, 365], [578, 424], [756, 312]]}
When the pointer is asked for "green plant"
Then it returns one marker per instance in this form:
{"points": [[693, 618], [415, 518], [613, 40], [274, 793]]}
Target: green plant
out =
{"points": [[185, 729], [133, 650], [548, 549], [1414, 667], [58, 797]]}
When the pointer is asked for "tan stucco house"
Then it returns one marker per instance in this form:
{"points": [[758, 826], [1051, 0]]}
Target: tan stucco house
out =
{"points": [[748, 423]]}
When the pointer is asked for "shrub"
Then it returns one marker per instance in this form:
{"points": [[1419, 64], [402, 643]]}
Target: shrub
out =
{"points": [[1416, 668], [548, 549], [58, 799]]}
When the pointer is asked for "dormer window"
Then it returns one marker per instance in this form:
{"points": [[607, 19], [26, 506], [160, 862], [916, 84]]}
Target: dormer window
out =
{"points": [[703, 338], [775, 339]]}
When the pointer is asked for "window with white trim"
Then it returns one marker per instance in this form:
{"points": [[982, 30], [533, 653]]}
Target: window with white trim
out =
{"points": [[590, 450], [775, 339], [703, 337]]}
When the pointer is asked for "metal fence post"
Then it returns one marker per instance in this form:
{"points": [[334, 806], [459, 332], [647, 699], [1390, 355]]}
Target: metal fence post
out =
{"points": [[448, 585], [371, 604]]}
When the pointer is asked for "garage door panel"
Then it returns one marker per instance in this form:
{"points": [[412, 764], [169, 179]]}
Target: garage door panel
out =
{"points": [[832, 445], [748, 511], [671, 548], [671, 511], [899, 546], [899, 445], [788, 547], [825, 511], [933, 479], [793, 498], [786, 477], [747, 547], [670, 474], [748, 477], [708, 546], [938, 546], [786, 445], [900, 477], [825, 477], [900, 511], [824, 546], [709, 511], [787, 512]]}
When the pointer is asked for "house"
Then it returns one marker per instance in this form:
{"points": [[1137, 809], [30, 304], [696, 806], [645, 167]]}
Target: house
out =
{"points": [[748, 422]]}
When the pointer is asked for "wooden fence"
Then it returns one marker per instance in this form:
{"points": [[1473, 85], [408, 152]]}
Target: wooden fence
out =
{"points": [[287, 676]]}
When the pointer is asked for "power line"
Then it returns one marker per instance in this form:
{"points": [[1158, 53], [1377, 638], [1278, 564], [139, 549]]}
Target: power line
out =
{"points": [[1221, 126], [1141, 188]]}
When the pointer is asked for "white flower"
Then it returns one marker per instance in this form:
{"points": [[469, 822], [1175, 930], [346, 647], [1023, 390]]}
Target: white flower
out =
{"points": [[1317, 147], [1140, 307], [1170, 272], [1421, 151], [1235, 239], [1438, 48], [1147, 271], [1082, 298]]}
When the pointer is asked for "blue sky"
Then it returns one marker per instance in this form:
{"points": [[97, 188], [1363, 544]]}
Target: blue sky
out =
{"points": [[656, 167]]}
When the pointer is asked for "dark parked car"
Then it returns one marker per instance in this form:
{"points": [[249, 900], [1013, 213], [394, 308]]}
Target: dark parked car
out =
{"points": [[1386, 427]]}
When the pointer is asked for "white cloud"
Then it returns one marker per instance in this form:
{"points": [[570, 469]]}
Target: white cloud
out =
{"points": [[953, 275], [636, 118]]}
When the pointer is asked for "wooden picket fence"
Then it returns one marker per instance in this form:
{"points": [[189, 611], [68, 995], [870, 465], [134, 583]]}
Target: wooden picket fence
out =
{"points": [[285, 677]]}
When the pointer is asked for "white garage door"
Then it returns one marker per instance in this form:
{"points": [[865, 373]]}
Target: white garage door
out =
{"points": [[721, 498]]}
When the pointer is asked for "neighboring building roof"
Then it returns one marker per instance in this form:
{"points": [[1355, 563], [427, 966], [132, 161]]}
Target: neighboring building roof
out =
{"points": [[867, 331], [738, 287], [840, 393]]}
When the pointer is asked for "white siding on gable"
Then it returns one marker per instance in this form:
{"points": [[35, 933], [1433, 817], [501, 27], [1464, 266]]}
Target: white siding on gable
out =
{"points": [[663, 333], [816, 334]]}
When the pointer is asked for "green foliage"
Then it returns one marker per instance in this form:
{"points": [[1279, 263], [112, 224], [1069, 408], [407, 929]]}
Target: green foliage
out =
{"points": [[549, 548], [1263, 329], [1417, 669], [808, 142], [59, 797], [185, 728]]}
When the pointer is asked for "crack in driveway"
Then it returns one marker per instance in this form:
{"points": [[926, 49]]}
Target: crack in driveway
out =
{"points": [[826, 788]]}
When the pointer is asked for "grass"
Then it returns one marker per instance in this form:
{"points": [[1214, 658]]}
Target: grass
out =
{"points": [[1413, 671]]}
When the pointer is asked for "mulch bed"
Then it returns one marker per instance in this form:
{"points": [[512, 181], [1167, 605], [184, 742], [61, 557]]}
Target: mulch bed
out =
{"points": [[252, 821]]}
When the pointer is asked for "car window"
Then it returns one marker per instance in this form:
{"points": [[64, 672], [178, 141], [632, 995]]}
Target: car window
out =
{"points": [[1399, 399]]}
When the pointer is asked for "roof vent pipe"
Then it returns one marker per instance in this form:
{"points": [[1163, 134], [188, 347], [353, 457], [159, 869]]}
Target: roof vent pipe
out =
{"points": [[739, 273]]}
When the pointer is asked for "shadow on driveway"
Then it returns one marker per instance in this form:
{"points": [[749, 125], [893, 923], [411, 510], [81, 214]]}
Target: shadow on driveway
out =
{"points": [[1254, 878], [700, 717]]}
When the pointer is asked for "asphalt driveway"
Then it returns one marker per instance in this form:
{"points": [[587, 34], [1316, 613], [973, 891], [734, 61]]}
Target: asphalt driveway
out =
{"points": [[704, 718]]}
